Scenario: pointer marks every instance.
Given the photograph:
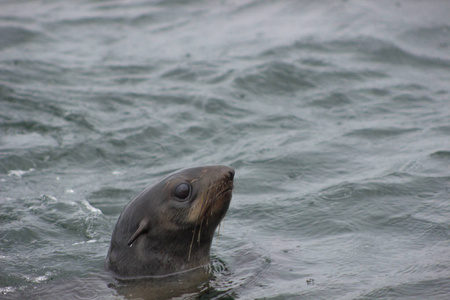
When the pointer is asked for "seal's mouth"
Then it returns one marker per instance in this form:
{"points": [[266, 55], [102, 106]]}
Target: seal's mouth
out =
{"points": [[213, 203], [224, 187], [216, 203]]}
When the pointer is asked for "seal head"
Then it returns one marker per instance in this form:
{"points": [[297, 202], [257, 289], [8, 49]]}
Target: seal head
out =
{"points": [[168, 228]]}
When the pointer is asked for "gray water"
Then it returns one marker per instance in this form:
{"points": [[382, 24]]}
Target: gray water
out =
{"points": [[334, 114]]}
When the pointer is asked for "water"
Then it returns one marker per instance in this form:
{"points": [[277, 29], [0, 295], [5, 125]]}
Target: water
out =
{"points": [[335, 115]]}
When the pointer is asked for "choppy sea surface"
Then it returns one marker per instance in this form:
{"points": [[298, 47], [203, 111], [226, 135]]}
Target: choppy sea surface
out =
{"points": [[334, 114]]}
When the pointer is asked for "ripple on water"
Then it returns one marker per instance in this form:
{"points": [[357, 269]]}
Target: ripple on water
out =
{"points": [[110, 200], [380, 133], [50, 228], [13, 36], [332, 100], [386, 52], [245, 262], [275, 78], [420, 288], [372, 204]]}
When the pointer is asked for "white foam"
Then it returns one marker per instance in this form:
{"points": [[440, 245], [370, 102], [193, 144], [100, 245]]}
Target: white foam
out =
{"points": [[90, 207], [53, 198], [6, 290], [19, 173], [40, 279], [85, 242]]}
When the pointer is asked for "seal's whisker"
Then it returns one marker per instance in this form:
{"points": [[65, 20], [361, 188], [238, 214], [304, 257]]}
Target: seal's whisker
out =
{"points": [[190, 246], [203, 204], [218, 233], [199, 232], [166, 185]]}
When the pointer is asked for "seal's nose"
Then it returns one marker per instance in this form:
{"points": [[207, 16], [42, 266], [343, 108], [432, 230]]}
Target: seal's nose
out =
{"points": [[231, 174]]}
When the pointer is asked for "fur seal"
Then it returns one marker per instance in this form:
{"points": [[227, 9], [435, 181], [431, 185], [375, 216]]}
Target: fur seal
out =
{"points": [[168, 228]]}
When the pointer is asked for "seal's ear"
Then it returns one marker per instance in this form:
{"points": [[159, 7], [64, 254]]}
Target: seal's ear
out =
{"points": [[143, 228]]}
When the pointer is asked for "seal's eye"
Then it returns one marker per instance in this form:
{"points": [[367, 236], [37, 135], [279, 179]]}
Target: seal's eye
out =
{"points": [[182, 191]]}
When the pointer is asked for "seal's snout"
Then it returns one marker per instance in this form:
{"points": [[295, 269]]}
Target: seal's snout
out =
{"points": [[219, 173], [231, 174]]}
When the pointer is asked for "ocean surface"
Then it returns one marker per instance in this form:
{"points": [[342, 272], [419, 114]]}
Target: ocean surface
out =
{"points": [[334, 114]]}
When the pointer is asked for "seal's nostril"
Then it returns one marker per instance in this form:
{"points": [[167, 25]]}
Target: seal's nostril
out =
{"points": [[232, 174]]}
